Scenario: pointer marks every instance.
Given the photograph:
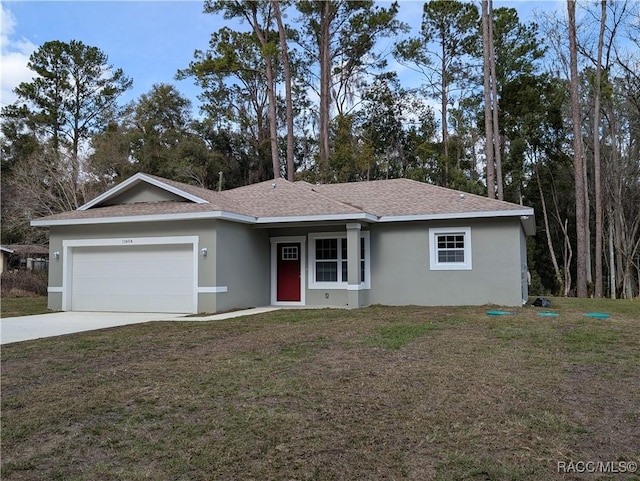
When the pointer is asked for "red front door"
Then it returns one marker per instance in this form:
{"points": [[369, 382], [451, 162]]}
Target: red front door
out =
{"points": [[288, 288]]}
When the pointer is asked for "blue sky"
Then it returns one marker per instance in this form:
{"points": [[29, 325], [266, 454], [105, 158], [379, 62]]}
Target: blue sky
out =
{"points": [[149, 40]]}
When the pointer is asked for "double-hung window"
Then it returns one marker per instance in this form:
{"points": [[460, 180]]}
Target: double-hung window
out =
{"points": [[450, 248], [329, 264], [330, 257]]}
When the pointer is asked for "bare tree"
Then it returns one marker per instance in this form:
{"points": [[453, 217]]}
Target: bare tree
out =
{"points": [[578, 157], [547, 230], [40, 185], [596, 152]]}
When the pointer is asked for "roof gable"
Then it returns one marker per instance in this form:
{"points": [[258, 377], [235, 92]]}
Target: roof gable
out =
{"points": [[142, 192], [146, 188]]}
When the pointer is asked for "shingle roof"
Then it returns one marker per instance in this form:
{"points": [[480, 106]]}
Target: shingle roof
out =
{"points": [[137, 209], [280, 200], [402, 197], [26, 249]]}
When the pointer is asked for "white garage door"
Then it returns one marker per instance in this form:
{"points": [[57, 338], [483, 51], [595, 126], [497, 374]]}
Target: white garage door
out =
{"points": [[148, 278]]}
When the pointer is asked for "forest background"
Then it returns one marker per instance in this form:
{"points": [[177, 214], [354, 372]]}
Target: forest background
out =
{"points": [[317, 91]]}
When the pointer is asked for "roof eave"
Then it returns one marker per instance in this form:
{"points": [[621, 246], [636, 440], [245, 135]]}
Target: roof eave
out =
{"points": [[359, 216], [245, 219], [526, 216]]}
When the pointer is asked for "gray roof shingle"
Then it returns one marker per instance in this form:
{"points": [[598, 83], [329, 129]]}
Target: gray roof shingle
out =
{"points": [[282, 199], [403, 197]]}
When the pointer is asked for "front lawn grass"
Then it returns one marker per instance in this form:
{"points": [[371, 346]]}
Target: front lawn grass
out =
{"points": [[411, 393], [23, 306]]}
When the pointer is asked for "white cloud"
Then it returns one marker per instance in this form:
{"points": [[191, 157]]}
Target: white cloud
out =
{"points": [[14, 56]]}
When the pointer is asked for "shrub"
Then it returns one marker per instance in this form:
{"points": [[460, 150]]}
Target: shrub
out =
{"points": [[24, 283]]}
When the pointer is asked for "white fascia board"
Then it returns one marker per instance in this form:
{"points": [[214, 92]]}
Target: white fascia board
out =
{"points": [[136, 179], [317, 218], [245, 219], [4, 249], [458, 215]]}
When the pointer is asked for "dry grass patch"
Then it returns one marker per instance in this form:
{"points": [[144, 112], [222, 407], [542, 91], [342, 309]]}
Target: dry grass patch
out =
{"points": [[377, 393]]}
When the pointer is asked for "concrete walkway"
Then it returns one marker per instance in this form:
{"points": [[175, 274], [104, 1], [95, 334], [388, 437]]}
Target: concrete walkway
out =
{"points": [[16, 329]]}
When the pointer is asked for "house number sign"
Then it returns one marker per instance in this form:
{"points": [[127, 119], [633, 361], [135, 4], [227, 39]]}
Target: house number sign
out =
{"points": [[127, 241]]}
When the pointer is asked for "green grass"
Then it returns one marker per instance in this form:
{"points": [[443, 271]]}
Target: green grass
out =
{"points": [[396, 336], [23, 306], [377, 393]]}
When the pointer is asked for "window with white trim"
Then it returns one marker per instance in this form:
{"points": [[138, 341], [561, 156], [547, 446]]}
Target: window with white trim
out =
{"points": [[450, 248], [328, 261], [328, 258], [290, 253]]}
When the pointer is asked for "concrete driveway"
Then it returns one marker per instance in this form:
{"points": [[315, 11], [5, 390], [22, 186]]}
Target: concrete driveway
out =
{"points": [[15, 329], [24, 328]]}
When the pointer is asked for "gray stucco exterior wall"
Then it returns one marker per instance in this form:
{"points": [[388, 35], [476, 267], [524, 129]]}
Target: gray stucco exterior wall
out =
{"points": [[242, 266], [401, 274], [204, 230], [237, 270]]}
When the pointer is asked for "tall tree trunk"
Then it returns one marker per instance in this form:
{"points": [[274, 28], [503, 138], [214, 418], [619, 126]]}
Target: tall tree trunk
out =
{"points": [[567, 256], [552, 253], [596, 153], [612, 258], [445, 127], [75, 169], [271, 92], [617, 207], [325, 90], [496, 108], [578, 159], [287, 85], [587, 227], [567, 251], [273, 120], [617, 239], [488, 121]]}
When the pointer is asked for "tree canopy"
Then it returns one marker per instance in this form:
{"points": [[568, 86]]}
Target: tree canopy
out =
{"points": [[315, 90]]}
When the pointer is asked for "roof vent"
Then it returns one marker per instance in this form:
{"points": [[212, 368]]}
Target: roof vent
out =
{"points": [[461, 195], [274, 185]]}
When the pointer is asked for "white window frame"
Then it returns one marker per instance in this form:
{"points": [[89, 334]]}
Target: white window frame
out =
{"points": [[436, 265], [311, 267], [290, 253]]}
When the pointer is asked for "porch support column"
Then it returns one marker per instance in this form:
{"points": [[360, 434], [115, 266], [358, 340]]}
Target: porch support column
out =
{"points": [[353, 264]]}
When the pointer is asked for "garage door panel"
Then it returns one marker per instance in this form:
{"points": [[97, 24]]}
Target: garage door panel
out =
{"points": [[151, 278]]}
